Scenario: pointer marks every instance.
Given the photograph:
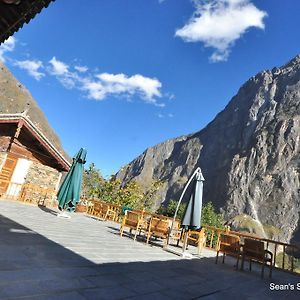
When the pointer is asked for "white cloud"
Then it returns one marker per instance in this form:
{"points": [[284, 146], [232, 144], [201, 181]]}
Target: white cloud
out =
{"points": [[32, 67], [148, 88], [95, 86], [105, 84], [81, 69], [100, 86], [219, 23], [58, 68], [7, 46], [162, 116], [61, 71], [94, 89]]}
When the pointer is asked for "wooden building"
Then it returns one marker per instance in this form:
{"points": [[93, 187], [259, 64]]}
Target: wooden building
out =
{"points": [[30, 165]]}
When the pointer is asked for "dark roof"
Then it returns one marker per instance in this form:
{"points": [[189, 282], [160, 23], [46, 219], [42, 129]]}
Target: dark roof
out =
{"points": [[40, 137], [14, 16]]}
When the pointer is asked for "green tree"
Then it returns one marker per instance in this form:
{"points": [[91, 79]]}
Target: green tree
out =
{"points": [[131, 195], [210, 217], [92, 180], [109, 191], [171, 208]]}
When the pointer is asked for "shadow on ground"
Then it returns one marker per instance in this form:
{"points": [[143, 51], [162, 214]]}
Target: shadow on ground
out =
{"points": [[47, 210], [34, 267]]}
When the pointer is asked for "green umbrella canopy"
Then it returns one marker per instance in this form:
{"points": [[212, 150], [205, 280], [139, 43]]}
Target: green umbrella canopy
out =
{"points": [[192, 214], [69, 192]]}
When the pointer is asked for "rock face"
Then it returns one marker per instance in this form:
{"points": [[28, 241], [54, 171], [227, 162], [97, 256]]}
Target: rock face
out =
{"points": [[249, 154]]}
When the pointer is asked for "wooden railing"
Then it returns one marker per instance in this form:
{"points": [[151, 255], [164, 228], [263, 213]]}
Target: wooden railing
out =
{"points": [[29, 193], [285, 256], [36, 194], [12, 190]]}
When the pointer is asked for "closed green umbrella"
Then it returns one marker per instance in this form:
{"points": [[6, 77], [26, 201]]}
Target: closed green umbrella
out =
{"points": [[192, 215], [69, 193]]}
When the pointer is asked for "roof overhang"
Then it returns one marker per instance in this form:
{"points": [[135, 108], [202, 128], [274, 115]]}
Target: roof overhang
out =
{"points": [[38, 135], [15, 13]]}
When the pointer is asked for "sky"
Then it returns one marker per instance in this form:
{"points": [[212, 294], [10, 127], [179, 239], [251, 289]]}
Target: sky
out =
{"points": [[119, 76]]}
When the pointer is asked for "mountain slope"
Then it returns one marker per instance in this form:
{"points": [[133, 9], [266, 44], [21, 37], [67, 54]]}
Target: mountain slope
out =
{"points": [[249, 153]]}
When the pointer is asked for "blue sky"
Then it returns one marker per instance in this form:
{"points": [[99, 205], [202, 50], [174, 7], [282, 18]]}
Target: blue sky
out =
{"points": [[118, 76]]}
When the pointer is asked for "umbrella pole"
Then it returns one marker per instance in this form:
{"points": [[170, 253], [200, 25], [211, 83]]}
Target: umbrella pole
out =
{"points": [[180, 199], [186, 233]]}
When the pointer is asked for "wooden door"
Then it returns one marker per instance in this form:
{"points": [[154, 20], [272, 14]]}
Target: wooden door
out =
{"points": [[6, 172]]}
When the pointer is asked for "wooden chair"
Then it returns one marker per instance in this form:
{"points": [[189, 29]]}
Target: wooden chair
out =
{"points": [[254, 250], [229, 244], [198, 237], [132, 220], [96, 208], [106, 212], [176, 232], [90, 207], [158, 228]]}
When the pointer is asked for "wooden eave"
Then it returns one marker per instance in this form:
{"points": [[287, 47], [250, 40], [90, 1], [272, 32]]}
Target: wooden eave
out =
{"points": [[38, 135], [14, 16]]}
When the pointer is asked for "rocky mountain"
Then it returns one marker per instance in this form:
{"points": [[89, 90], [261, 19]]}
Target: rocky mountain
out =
{"points": [[249, 154], [15, 98]]}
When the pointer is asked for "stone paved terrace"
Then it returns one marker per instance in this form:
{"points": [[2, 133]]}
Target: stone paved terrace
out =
{"points": [[45, 257]]}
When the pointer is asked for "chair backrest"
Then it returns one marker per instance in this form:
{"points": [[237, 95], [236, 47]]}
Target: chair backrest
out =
{"points": [[254, 248], [132, 218], [159, 225], [229, 242], [104, 207], [97, 206]]}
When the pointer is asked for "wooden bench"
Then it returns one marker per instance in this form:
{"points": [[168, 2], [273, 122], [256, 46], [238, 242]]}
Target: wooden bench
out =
{"points": [[229, 244], [254, 250], [132, 220]]}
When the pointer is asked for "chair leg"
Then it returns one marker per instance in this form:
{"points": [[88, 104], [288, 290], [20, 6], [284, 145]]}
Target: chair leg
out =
{"points": [[105, 217], [237, 262], [250, 264], [199, 248], [165, 244], [242, 264], [271, 267], [121, 230], [135, 235], [148, 238], [217, 257], [262, 270], [223, 258]]}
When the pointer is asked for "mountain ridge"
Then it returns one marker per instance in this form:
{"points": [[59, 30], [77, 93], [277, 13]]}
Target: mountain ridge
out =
{"points": [[249, 153]]}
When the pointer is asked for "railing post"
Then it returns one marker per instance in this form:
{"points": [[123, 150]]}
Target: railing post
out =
{"points": [[275, 252], [283, 259], [292, 267], [211, 238], [218, 239]]}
